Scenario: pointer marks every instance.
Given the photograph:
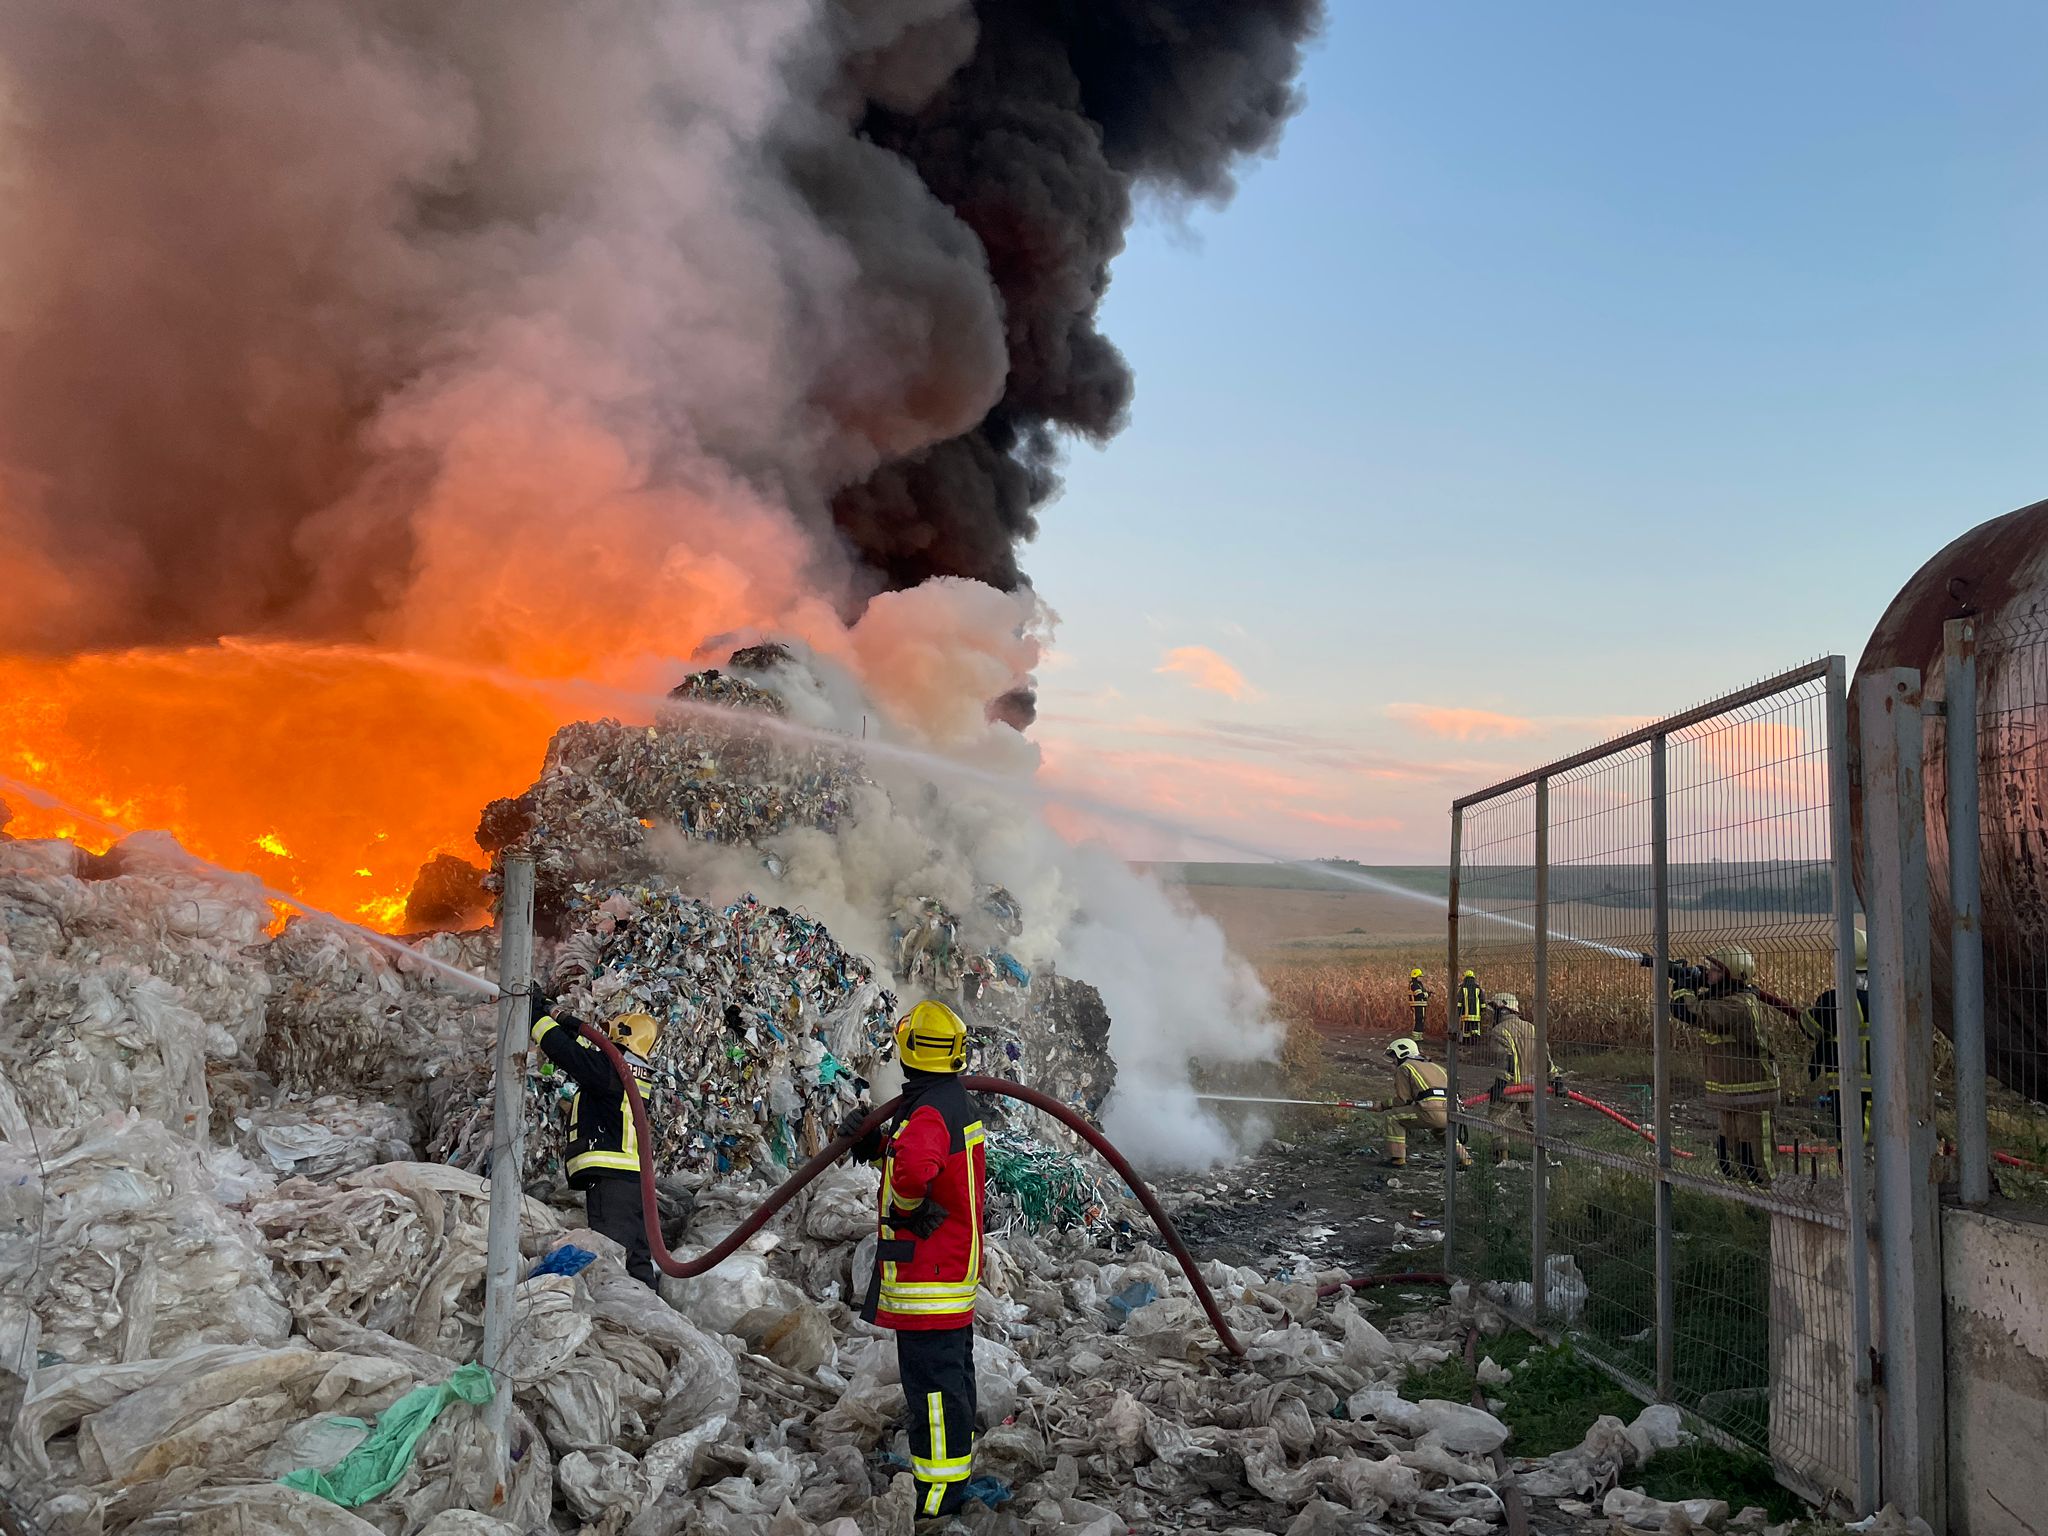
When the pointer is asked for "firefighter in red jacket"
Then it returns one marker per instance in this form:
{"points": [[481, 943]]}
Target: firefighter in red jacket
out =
{"points": [[928, 1262]]}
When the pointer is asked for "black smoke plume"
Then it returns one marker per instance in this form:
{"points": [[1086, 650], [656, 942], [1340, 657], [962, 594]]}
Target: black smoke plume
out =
{"points": [[396, 320]]}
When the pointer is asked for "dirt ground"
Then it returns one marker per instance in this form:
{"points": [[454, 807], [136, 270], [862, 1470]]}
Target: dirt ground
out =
{"points": [[1317, 1191]]}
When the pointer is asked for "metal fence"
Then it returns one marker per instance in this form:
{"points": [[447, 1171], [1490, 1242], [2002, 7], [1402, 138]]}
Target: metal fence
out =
{"points": [[1696, 1250], [1988, 851]]}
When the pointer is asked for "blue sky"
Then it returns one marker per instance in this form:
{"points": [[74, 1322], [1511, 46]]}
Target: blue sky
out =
{"points": [[1569, 363]]}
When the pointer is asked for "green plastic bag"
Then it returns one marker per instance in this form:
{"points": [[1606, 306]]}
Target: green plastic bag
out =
{"points": [[375, 1466]]}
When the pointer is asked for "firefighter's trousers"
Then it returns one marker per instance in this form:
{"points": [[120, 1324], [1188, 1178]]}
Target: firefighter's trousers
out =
{"points": [[1427, 1115], [612, 1207], [1745, 1148], [937, 1367]]}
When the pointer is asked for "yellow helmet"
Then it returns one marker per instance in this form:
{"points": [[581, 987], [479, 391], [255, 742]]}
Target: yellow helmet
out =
{"points": [[1403, 1049], [1471, 976], [1737, 961], [1507, 1002], [931, 1038], [1416, 974], [637, 1032]]}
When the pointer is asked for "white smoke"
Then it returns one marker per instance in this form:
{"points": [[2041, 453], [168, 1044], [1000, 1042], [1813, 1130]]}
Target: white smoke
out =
{"points": [[1175, 992]]}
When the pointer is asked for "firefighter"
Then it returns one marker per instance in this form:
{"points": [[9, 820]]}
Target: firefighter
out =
{"points": [[604, 1147], [1471, 1007], [1821, 1026], [1418, 1000], [928, 1260], [1421, 1098], [1720, 1005], [1514, 1063]]}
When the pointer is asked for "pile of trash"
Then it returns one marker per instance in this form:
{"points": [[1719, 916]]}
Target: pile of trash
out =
{"points": [[231, 1304], [607, 789], [769, 1030]]}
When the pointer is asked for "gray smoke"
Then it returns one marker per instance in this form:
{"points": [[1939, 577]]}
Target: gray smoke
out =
{"points": [[318, 309]]}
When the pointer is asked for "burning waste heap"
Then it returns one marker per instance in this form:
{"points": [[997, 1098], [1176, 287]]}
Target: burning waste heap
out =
{"points": [[239, 1218]]}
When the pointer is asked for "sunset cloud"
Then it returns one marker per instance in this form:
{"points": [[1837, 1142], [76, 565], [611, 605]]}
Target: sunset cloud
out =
{"points": [[1206, 670], [1462, 724]]}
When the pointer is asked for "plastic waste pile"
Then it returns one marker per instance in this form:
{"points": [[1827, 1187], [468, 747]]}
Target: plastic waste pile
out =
{"points": [[768, 1029], [605, 789], [230, 1304]]}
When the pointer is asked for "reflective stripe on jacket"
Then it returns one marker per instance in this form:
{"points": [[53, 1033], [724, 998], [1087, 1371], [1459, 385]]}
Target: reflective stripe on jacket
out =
{"points": [[603, 1139], [936, 1153], [1417, 1082], [1738, 1068], [1514, 1044], [1471, 1003], [1821, 1026]]}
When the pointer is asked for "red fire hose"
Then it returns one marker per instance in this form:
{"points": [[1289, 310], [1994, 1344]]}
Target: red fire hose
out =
{"points": [[687, 1269], [1793, 1149], [1524, 1090]]}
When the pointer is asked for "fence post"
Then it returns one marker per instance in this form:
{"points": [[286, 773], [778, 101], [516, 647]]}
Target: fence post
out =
{"points": [[1850, 1084], [1451, 1030], [1539, 1157], [1660, 1065], [1966, 936], [508, 1148], [1901, 999]]}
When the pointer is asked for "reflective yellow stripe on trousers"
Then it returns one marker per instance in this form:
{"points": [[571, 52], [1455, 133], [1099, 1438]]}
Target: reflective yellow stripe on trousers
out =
{"points": [[940, 1469]]}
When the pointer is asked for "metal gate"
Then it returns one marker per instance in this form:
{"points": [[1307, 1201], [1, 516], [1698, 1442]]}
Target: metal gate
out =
{"points": [[1605, 1205]]}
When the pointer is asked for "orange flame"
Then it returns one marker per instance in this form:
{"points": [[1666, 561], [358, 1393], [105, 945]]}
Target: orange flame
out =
{"points": [[332, 773]]}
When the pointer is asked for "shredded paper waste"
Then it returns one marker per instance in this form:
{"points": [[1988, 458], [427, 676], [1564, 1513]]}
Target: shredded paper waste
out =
{"points": [[243, 1230]]}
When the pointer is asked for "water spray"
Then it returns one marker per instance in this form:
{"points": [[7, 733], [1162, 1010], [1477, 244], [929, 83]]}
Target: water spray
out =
{"points": [[938, 766]]}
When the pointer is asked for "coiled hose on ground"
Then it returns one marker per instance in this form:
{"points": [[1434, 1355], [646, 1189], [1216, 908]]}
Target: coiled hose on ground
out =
{"points": [[718, 1253]]}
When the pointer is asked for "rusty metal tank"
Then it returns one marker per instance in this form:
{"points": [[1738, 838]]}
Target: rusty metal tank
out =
{"points": [[1997, 573]]}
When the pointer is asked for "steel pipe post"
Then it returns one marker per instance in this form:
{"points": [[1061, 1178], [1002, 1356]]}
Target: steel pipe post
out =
{"points": [[1451, 1029], [1901, 1027], [1966, 906], [1539, 1156], [508, 1146], [1660, 1066], [1850, 1083]]}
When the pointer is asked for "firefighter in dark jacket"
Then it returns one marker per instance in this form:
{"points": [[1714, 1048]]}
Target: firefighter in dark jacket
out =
{"points": [[604, 1147], [1821, 1025], [1471, 1007], [928, 1260], [1418, 1001]]}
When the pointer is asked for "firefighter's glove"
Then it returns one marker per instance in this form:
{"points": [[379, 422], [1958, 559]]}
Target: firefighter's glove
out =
{"points": [[538, 1000], [922, 1222], [1557, 1086], [866, 1148], [1498, 1093], [1646, 960]]}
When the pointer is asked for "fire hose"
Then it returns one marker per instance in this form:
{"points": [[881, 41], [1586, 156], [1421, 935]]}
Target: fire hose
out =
{"points": [[718, 1253], [1792, 1149]]}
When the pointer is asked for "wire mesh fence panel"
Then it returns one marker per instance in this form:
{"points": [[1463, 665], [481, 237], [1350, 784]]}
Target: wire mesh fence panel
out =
{"points": [[1496, 892], [1692, 1237], [1602, 900], [1752, 883], [2012, 796]]}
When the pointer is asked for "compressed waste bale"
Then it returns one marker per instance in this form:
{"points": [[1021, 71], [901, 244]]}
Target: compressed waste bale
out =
{"points": [[333, 1134], [114, 1231]]}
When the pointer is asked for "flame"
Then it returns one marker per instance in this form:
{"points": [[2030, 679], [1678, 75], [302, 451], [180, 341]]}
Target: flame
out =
{"points": [[334, 772]]}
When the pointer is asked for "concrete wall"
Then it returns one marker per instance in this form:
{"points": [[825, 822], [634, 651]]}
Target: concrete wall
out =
{"points": [[1813, 1362], [1995, 1279]]}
